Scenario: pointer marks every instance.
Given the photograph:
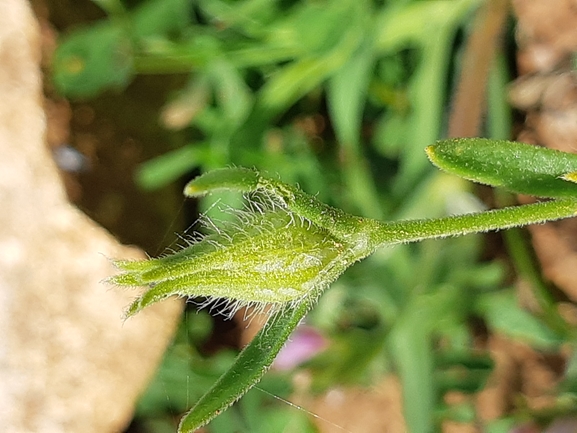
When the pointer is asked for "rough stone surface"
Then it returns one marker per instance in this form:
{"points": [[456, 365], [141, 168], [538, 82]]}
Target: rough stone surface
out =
{"points": [[68, 363]]}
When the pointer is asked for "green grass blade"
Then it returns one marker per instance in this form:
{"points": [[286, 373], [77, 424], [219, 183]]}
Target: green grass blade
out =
{"points": [[347, 93], [167, 168], [410, 347]]}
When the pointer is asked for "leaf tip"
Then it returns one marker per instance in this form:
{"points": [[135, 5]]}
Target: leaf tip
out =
{"points": [[192, 190], [570, 177], [234, 178], [132, 309], [431, 154]]}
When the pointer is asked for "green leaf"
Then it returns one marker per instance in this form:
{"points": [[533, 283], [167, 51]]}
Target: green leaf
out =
{"points": [[410, 346], [517, 167], [502, 425], [112, 7], [309, 70], [499, 110], [93, 59], [503, 314], [160, 17], [410, 26], [248, 368], [462, 371], [297, 79], [237, 178], [415, 22], [569, 383], [101, 57], [347, 91], [316, 28], [249, 17], [233, 94], [166, 168]]}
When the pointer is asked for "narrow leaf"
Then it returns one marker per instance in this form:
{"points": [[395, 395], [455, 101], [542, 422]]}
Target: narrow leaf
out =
{"points": [[517, 167], [166, 168], [504, 314], [93, 59], [248, 368], [240, 179]]}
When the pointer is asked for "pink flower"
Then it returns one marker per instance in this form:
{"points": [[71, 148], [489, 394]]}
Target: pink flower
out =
{"points": [[304, 344]]}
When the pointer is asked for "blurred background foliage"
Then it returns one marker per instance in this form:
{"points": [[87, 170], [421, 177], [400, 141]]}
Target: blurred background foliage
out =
{"points": [[340, 97]]}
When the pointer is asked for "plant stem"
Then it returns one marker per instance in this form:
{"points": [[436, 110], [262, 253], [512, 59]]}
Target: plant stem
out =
{"points": [[416, 230]]}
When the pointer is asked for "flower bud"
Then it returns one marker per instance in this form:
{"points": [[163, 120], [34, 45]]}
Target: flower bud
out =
{"points": [[267, 255]]}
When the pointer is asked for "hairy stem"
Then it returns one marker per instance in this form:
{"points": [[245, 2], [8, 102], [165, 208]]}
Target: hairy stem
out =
{"points": [[416, 230]]}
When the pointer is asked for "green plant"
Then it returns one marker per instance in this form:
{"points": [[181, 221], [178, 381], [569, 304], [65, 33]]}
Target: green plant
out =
{"points": [[291, 246], [339, 97], [251, 62]]}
